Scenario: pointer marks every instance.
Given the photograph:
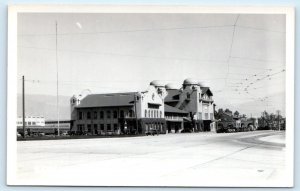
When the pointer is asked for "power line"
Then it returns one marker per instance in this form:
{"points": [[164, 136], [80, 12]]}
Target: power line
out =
{"points": [[126, 55], [131, 31], [230, 47]]}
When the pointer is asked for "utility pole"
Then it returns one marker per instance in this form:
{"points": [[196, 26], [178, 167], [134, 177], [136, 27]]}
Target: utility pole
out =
{"points": [[57, 108], [23, 104], [136, 118], [278, 121]]}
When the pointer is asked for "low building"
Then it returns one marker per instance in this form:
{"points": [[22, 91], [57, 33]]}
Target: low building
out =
{"points": [[118, 113], [31, 121]]}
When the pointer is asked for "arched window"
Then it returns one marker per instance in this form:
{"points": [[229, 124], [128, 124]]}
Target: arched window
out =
{"points": [[145, 112]]}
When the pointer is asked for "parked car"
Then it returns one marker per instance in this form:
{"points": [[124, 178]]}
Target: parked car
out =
{"points": [[64, 134], [152, 132]]}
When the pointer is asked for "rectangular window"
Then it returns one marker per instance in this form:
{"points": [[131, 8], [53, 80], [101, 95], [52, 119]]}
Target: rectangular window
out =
{"points": [[102, 127], [153, 106], [206, 116], [115, 114], [101, 114], [108, 114], [88, 115], [115, 127], [95, 114], [95, 128], [80, 115], [89, 128], [108, 127]]}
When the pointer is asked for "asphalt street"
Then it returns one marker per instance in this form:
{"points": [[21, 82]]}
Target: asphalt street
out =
{"points": [[192, 159]]}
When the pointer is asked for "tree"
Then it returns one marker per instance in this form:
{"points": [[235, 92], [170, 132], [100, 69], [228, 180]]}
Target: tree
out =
{"points": [[236, 113]]}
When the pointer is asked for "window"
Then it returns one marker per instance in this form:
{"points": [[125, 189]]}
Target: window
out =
{"points": [[89, 128], [80, 128], [108, 114], [101, 114], [80, 115], [152, 114], [131, 113], [160, 114], [88, 115], [96, 128], [95, 114], [33, 123], [115, 127], [206, 116], [149, 114], [115, 114], [29, 123], [102, 127], [108, 127], [145, 112], [122, 114], [188, 95]]}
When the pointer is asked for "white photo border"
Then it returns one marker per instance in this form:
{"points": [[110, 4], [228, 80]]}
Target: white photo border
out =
{"points": [[13, 11]]}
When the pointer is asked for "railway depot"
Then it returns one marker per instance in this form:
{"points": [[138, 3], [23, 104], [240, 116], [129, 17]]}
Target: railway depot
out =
{"points": [[162, 108]]}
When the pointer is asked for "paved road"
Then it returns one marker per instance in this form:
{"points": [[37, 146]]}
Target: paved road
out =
{"points": [[198, 159]]}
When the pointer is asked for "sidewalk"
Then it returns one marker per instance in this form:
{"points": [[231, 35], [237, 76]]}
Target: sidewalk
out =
{"points": [[274, 138]]}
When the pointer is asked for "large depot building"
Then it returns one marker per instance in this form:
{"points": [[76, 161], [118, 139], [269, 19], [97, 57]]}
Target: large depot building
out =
{"points": [[164, 108]]}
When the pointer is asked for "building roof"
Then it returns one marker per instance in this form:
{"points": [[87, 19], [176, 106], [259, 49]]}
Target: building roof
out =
{"points": [[206, 90], [170, 86], [172, 94], [107, 100], [170, 109], [190, 81], [157, 83]]}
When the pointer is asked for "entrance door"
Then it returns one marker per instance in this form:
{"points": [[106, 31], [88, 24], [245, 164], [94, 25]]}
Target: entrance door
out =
{"points": [[206, 124]]}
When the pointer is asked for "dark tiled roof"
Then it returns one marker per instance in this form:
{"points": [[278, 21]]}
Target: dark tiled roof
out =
{"points": [[206, 90], [107, 100], [171, 95], [170, 109]]}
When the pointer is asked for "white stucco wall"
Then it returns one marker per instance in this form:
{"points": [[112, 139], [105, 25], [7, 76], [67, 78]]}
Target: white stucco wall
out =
{"points": [[150, 96]]}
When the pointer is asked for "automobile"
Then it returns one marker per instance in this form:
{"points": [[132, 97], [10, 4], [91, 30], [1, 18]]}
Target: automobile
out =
{"points": [[152, 132], [41, 134], [64, 134]]}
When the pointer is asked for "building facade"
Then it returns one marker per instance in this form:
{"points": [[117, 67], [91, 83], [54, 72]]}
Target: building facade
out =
{"points": [[195, 99], [31, 121], [118, 113], [162, 107]]}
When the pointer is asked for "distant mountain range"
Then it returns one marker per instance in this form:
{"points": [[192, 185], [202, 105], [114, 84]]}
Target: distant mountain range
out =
{"points": [[45, 105]]}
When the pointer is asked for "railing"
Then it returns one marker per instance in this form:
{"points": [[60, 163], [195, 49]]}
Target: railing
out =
{"points": [[174, 118], [208, 99]]}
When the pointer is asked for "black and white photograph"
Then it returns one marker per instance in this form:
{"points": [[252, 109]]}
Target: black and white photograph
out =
{"points": [[167, 96]]}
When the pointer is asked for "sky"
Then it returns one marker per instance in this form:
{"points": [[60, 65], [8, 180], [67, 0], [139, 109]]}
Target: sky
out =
{"points": [[241, 57]]}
